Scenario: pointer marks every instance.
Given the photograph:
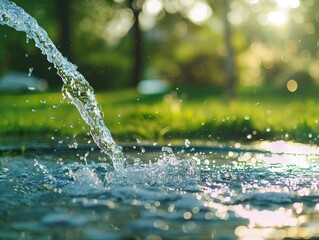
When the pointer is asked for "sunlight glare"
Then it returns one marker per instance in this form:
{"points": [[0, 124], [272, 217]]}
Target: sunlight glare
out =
{"points": [[277, 18], [267, 218], [287, 4], [289, 148], [199, 13], [288, 153], [252, 1], [153, 7]]}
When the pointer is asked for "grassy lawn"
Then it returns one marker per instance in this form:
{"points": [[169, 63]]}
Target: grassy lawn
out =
{"points": [[193, 113]]}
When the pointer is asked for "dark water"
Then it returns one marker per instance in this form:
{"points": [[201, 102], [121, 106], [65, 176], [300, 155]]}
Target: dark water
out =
{"points": [[231, 194]]}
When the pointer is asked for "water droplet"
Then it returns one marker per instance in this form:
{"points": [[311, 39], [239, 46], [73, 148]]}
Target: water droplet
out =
{"points": [[43, 101], [187, 142], [74, 145], [31, 88], [26, 55], [33, 110], [56, 106], [30, 71], [249, 136]]}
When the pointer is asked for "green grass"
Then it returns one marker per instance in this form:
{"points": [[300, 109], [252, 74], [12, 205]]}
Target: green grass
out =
{"points": [[196, 114]]}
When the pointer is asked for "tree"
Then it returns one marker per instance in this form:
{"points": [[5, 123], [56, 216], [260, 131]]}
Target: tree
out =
{"points": [[230, 69], [63, 9], [137, 45]]}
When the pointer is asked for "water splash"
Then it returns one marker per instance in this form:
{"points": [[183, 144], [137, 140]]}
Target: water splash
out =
{"points": [[76, 88], [168, 171]]}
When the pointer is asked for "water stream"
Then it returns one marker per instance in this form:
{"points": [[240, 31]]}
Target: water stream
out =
{"points": [[76, 88]]}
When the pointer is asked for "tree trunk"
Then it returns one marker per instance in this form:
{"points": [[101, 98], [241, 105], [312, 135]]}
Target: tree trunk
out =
{"points": [[230, 68], [64, 37], [137, 47]]}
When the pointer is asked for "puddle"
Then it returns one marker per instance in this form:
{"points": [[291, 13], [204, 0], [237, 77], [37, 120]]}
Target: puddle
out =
{"points": [[161, 195]]}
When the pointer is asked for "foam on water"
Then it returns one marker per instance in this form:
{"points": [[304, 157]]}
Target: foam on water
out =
{"points": [[76, 89]]}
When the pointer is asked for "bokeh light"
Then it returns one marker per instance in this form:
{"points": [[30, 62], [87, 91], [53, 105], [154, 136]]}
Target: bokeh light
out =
{"points": [[292, 85]]}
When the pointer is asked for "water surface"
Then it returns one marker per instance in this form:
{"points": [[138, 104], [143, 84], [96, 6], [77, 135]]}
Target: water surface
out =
{"points": [[162, 195]]}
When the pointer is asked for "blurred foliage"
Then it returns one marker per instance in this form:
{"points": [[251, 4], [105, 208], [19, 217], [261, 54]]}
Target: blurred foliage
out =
{"points": [[274, 41]]}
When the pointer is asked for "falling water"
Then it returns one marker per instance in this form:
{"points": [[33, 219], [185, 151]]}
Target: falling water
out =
{"points": [[76, 88]]}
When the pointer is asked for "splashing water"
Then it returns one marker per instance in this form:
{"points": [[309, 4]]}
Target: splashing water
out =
{"points": [[168, 171], [76, 89]]}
